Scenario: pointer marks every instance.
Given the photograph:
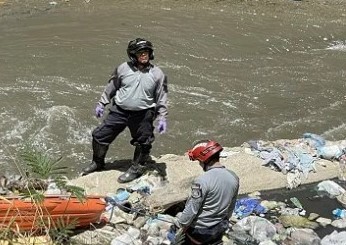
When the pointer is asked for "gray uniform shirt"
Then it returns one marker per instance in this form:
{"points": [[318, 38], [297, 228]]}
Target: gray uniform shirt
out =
{"points": [[137, 90], [213, 197]]}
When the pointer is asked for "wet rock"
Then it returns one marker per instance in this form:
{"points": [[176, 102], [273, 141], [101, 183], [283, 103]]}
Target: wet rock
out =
{"points": [[342, 199], [339, 223], [297, 221], [289, 211], [313, 216], [270, 205], [323, 221], [335, 238], [305, 237]]}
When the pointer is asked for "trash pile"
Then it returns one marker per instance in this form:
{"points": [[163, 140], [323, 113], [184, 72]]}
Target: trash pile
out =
{"points": [[12, 184], [297, 158], [273, 222], [129, 219]]}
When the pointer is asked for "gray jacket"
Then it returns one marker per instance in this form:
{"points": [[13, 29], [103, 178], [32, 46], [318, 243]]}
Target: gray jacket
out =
{"points": [[212, 200], [134, 90]]}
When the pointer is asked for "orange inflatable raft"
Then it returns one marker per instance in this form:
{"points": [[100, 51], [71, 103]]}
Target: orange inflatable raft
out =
{"points": [[27, 215]]}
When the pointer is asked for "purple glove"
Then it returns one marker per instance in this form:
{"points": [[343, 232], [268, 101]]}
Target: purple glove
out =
{"points": [[99, 110], [162, 126]]}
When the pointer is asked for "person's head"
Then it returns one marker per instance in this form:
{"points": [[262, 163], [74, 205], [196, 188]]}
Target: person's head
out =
{"points": [[140, 51], [207, 152]]}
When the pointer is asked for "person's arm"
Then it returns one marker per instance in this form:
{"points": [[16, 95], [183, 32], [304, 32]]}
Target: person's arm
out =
{"points": [[193, 205], [234, 199], [110, 89], [161, 95]]}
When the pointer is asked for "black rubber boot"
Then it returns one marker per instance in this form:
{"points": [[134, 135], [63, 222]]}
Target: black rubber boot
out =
{"points": [[142, 154], [98, 162], [93, 167], [137, 169], [134, 172]]}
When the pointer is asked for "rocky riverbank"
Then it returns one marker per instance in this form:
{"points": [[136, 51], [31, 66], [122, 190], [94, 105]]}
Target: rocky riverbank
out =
{"points": [[174, 173], [279, 202], [155, 198]]}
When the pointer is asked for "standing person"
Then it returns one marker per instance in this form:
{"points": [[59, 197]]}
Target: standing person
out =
{"points": [[207, 211], [137, 92]]}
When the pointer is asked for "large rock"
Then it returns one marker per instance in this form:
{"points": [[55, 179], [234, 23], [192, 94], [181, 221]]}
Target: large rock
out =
{"points": [[176, 173]]}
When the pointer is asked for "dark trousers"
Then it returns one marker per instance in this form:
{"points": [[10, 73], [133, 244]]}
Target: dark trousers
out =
{"points": [[211, 236], [140, 124]]}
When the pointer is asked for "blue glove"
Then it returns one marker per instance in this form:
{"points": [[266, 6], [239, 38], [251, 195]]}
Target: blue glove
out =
{"points": [[162, 126], [99, 110]]}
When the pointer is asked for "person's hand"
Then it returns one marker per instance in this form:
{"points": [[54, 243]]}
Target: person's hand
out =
{"points": [[99, 110], [162, 126], [180, 230], [176, 221]]}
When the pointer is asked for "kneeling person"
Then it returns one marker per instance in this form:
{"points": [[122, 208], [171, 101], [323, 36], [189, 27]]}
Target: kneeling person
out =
{"points": [[206, 215]]}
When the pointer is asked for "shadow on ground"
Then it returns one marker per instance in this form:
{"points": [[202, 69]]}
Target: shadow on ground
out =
{"points": [[124, 164]]}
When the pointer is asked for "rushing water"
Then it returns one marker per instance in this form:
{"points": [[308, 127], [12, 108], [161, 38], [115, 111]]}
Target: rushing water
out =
{"points": [[237, 71]]}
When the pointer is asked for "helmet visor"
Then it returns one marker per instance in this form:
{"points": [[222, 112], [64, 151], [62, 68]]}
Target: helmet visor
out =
{"points": [[142, 52]]}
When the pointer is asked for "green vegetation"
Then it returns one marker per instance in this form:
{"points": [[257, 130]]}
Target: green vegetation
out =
{"points": [[39, 171], [40, 166]]}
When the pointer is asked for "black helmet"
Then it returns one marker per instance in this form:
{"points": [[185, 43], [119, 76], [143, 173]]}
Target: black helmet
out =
{"points": [[137, 45]]}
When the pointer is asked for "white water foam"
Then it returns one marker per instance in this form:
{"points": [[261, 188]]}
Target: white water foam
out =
{"points": [[46, 116], [338, 46]]}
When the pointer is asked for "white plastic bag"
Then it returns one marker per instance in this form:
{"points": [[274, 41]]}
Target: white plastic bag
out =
{"points": [[332, 188]]}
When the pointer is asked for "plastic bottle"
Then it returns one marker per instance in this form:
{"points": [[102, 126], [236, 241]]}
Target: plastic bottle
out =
{"points": [[122, 195], [296, 202], [339, 213]]}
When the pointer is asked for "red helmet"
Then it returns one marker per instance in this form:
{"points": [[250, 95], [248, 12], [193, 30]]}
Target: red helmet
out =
{"points": [[204, 150]]}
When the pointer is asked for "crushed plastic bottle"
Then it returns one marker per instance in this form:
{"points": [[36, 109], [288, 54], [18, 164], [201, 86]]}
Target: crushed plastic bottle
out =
{"points": [[296, 202], [339, 213], [122, 195]]}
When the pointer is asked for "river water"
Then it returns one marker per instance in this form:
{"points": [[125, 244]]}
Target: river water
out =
{"points": [[237, 70]]}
